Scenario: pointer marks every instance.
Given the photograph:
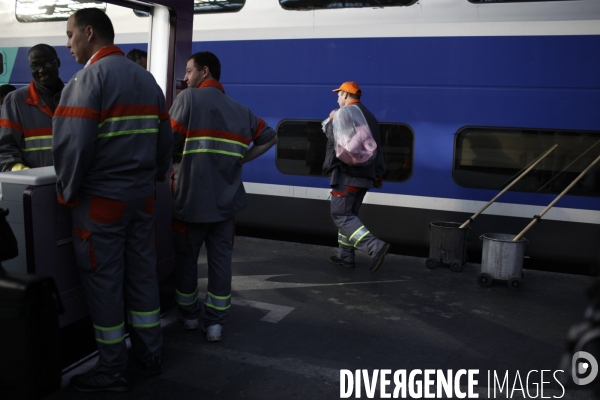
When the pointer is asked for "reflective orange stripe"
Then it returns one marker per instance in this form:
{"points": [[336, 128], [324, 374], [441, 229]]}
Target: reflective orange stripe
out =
{"points": [[6, 123], [338, 194], [123, 110], [77, 112], [352, 189], [213, 133], [259, 128], [37, 132], [178, 127]]}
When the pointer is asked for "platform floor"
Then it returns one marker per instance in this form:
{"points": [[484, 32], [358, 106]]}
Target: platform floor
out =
{"points": [[297, 320]]}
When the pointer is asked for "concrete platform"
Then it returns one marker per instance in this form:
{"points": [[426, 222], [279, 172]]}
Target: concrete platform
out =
{"points": [[297, 320]]}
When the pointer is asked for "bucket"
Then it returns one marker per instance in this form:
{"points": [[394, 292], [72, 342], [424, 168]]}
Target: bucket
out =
{"points": [[502, 259], [447, 245]]}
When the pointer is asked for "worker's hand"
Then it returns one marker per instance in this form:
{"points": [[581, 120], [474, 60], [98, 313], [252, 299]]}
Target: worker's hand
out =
{"points": [[19, 167], [331, 114], [378, 183]]}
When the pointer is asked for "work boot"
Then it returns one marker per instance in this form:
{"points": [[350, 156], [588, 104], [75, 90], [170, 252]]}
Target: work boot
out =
{"points": [[378, 259], [339, 261], [94, 381], [213, 332], [189, 324], [153, 366]]}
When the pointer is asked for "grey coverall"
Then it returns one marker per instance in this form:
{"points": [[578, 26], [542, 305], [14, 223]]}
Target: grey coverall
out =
{"points": [[212, 133], [349, 185], [112, 141]]}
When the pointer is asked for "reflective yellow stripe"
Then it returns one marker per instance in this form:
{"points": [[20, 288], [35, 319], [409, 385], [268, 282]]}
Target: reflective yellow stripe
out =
{"points": [[127, 118]]}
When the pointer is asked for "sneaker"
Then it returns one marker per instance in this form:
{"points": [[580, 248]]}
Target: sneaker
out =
{"points": [[378, 259], [189, 324], [339, 261], [94, 381], [153, 366], [213, 332]]}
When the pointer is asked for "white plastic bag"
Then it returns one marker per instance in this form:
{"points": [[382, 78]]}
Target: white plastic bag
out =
{"points": [[354, 143]]}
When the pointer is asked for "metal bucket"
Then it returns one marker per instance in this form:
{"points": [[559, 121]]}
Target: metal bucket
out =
{"points": [[448, 244], [502, 259]]}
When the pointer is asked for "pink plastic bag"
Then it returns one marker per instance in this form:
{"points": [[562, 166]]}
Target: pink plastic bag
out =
{"points": [[354, 143]]}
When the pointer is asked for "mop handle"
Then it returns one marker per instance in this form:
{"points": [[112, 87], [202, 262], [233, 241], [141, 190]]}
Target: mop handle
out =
{"points": [[467, 222], [537, 217], [567, 167]]}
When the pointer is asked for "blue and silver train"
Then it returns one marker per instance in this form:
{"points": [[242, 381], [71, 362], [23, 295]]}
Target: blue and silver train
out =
{"points": [[468, 93]]}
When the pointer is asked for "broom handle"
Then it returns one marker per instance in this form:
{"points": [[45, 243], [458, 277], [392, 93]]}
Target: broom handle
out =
{"points": [[568, 166], [537, 217], [467, 222]]}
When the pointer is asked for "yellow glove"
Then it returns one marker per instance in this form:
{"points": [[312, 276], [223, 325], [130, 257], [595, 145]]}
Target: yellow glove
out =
{"points": [[19, 167]]}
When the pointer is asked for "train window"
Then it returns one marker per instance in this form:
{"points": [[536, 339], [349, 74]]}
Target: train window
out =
{"points": [[209, 6], [489, 158], [313, 4], [2, 63], [51, 10], [301, 149]]}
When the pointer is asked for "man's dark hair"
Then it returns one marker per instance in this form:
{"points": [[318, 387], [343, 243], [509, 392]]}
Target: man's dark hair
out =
{"points": [[6, 89], [43, 46], [207, 59], [136, 55], [98, 20]]}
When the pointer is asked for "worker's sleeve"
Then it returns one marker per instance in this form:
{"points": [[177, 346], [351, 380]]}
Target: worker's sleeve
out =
{"points": [[75, 129], [180, 117], [11, 134], [261, 132], [164, 150]]}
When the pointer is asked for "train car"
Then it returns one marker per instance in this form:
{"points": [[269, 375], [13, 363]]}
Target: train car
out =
{"points": [[467, 92]]}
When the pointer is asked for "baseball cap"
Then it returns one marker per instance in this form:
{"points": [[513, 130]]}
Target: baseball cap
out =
{"points": [[349, 87]]}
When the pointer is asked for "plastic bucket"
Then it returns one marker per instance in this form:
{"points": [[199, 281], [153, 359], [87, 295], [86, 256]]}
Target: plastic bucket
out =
{"points": [[502, 258], [447, 242]]}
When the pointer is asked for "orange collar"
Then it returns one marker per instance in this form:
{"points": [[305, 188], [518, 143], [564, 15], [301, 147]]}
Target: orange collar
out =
{"points": [[212, 83], [353, 102], [33, 98], [105, 52]]}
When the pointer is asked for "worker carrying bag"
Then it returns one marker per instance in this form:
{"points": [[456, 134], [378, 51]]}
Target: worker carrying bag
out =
{"points": [[30, 365], [354, 143]]}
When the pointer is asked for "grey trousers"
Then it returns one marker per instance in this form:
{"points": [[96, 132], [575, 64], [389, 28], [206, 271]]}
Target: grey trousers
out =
{"points": [[352, 234], [188, 239], [114, 245]]}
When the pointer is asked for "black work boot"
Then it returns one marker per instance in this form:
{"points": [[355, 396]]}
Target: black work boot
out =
{"points": [[153, 366], [378, 259], [339, 261], [94, 381]]}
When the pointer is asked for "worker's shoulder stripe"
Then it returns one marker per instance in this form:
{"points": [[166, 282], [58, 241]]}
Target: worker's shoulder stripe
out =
{"points": [[217, 134], [76, 112], [259, 128], [7, 123], [179, 127]]}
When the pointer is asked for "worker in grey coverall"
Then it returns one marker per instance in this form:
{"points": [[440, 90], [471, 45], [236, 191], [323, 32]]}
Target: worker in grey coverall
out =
{"points": [[349, 185], [112, 142], [212, 133]]}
